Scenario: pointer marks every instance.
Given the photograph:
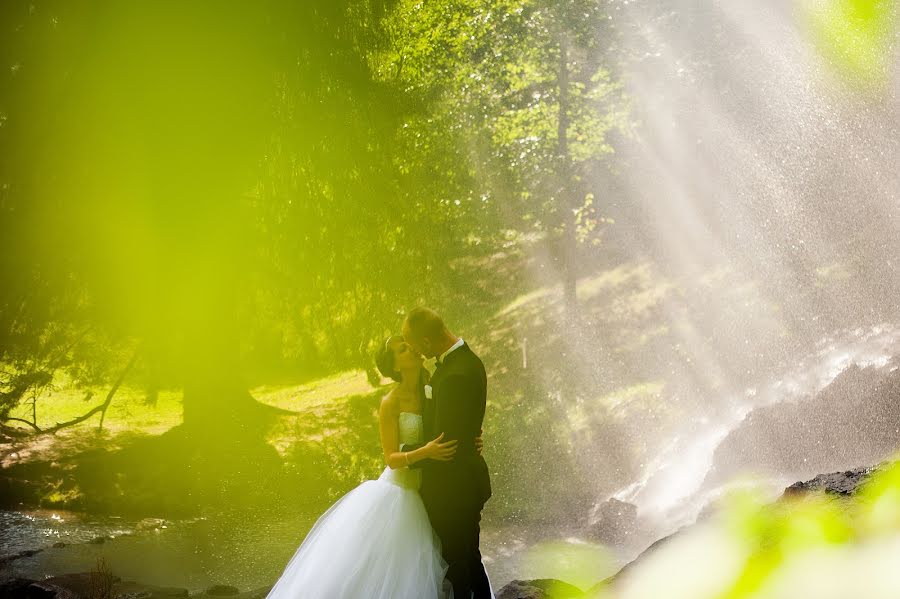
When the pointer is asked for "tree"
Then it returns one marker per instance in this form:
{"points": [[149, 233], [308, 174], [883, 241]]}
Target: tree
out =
{"points": [[201, 184], [526, 84]]}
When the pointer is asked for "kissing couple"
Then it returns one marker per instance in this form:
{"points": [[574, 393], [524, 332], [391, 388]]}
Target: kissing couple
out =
{"points": [[414, 532]]}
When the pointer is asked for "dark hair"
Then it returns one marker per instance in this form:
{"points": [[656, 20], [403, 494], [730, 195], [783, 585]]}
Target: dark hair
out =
{"points": [[425, 323], [384, 360]]}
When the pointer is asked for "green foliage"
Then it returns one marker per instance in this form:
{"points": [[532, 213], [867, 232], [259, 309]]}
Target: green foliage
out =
{"points": [[854, 36], [245, 193], [532, 98], [267, 192], [818, 544]]}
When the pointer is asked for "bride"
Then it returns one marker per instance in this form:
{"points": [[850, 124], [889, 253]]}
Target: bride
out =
{"points": [[376, 541]]}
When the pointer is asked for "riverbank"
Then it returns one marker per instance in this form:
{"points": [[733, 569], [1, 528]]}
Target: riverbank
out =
{"points": [[841, 487]]}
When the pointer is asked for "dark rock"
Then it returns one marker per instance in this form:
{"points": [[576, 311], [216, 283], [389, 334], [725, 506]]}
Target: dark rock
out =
{"points": [[99, 540], [47, 590], [59, 544], [222, 590], [151, 524], [25, 553], [136, 590], [260, 593], [845, 483], [539, 589], [78, 585], [15, 588]]}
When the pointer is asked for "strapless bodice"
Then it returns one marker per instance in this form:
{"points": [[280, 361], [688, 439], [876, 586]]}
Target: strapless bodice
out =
{"points": [[410, 427]]}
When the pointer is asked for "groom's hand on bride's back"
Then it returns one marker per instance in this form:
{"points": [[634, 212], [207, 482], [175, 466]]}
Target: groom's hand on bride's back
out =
{"points": [[479, 442]]}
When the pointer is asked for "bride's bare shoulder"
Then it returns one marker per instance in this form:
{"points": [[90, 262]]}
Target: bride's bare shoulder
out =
{"points": [[389, 402]]}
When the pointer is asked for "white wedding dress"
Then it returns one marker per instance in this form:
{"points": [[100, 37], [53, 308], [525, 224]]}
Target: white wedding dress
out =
{"points": [[375, 542]]}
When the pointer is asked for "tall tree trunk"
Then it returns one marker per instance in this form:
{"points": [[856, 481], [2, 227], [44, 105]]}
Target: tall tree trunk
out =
{"points": [[216, 398], [226, 460], [567, 189]]}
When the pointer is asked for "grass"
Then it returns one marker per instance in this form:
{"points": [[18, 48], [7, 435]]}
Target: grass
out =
{"points": [[325, 393], [130, 416], [128, 411]]}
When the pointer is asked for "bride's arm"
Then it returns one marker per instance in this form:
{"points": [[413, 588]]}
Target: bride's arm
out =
{"points": [[388, 419]]}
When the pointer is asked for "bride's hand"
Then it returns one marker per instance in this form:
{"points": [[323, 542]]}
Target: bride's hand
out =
{"points": [[442, 452]]}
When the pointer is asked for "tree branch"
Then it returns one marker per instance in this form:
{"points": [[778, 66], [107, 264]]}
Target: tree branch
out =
{"points": [[28, 422], [101, 408], [115, 387]]}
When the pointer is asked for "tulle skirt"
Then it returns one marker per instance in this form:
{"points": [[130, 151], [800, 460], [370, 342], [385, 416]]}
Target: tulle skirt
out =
{"points": [[375, 543]]}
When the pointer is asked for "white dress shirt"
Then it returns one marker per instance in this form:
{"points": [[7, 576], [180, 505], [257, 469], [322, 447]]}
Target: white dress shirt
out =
{"points": [[458, 344]]}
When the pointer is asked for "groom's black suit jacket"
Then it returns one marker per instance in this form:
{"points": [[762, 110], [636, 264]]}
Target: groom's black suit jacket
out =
{"points": [[456, 408]]}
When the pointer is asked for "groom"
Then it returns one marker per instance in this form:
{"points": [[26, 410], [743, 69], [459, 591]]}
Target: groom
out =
{"points": [[453, 492]]}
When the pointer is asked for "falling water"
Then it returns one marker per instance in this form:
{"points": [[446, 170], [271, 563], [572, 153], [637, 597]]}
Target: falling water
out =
{"points": [[754, 156], [669, 492]]}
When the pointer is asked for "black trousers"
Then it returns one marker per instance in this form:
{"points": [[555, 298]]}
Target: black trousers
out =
{"points": [[458, 527]]}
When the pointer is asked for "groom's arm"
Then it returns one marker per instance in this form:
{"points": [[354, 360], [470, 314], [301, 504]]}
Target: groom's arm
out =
{"points": [[456, 410], [479, 445]]}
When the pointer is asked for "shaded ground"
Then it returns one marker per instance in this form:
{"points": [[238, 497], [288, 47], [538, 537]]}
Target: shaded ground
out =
{"points": [[180, 472]]}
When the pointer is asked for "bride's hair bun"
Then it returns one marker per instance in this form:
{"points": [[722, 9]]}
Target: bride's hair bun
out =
{"points": [[384, 360]]}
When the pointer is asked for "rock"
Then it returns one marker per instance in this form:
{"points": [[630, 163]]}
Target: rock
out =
{"points": [[221, 590], [539, 589], [59, 544], [260, 593], [151, 524], [48, 590], [24, 553], [14, 588], [853, 420], [135, 590], [99, 540], [78, 585], [845, 483], [75, 585]]}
